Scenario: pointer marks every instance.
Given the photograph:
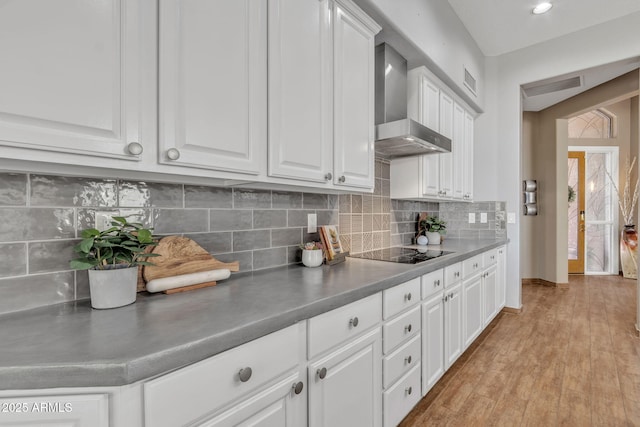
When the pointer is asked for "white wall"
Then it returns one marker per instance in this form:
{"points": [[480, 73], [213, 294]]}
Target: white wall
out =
{"points": [[499, 130]]}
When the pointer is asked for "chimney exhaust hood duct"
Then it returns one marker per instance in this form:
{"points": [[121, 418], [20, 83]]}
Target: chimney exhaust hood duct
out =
{"points": [[396, 134]]}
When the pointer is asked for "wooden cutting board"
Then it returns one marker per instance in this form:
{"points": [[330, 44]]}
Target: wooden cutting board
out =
{"points": [[179, 255]]}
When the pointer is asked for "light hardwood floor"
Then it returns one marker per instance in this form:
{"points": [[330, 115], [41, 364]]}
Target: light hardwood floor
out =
{"points": [[571, 358]]}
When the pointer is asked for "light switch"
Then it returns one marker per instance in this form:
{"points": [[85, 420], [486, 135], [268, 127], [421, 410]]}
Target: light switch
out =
{"points": [[472, 217], [312, 223], [511, 217], [483, 217]]}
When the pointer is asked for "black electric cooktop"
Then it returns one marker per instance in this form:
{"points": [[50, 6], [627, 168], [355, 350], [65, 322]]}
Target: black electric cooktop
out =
{"points": [[402, 255]]}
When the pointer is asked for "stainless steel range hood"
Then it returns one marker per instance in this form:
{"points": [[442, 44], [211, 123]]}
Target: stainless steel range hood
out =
{"points": [[396, 134]]}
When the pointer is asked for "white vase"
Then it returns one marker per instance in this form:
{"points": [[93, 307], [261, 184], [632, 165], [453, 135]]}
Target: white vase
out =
{"points": [[422, 240], [113, 288], [312, 258], [434, 237]]}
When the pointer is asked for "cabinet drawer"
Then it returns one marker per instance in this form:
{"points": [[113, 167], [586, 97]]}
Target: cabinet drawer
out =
{"points": [[432, 283], [401, 398], [400, 361], [471, 266], [452, 274], [489, 257], [398, 330], [330, 329], [183, 396], [401, 297]]}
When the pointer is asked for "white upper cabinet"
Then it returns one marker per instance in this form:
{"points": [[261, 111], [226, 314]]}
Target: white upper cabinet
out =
{"points": [[468, 157], [321, 99], [457, 151], [213, 84], [353, 98], [300, 86], [446, 159], [71, 77]]}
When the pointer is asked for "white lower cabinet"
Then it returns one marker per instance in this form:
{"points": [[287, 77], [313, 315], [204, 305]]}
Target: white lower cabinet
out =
{"points": [[489, 294], [453, 324], [433, 341], [472, 308], [501, 277], [400, 398]]}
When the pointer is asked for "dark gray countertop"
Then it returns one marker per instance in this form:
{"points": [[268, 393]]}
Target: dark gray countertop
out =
{"points": [[72, 345]]}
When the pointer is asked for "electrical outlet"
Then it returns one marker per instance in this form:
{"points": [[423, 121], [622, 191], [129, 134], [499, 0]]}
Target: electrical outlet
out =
{"points": [[103, 219], [312, 223], [483, 217], [472, 218], [511, 217]]}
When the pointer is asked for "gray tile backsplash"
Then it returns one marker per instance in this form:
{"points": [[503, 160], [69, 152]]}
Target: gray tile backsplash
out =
{"points": [[42, 216]]}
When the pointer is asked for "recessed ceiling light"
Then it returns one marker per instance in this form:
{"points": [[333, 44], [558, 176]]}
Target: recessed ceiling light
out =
{"points": [[542, 8]]}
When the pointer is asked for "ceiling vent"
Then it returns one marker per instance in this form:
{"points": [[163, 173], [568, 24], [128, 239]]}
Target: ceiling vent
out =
{"points": [[535, 89], [470, 81]]}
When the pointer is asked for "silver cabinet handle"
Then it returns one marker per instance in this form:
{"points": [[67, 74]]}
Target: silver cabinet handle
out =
{"points": [[328, 176], [407, 328], [322, 373], [451, 295], [173, 154], [135, 148], [446, 298], [407, 296], [353, 322], [408, 360], [408, 390], [297, 387], [342, 179], [245, 374]]}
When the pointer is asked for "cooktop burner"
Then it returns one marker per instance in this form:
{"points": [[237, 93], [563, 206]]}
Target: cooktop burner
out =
{"points": [[402, 255]]}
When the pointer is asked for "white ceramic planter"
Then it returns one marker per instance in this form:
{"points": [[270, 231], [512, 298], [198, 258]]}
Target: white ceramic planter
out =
{"points": [[434, 237], [113, 288], [312, 258]]}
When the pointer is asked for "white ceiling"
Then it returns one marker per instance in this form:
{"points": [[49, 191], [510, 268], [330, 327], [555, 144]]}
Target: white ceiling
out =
{"points": [[501, 26]]}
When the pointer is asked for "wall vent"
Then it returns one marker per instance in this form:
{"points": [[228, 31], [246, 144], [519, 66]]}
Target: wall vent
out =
{"points": [[470, 81], [535, 89]]}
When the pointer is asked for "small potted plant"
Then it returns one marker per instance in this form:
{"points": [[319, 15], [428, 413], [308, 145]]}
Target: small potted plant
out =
{"points": [[432, 227], [112, 257], [312, 255]]}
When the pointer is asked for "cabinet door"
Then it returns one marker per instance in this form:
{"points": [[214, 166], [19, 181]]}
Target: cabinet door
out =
{"points": [[213, 85], [501, 278], [281, 405], [300, 89], [458, 152], [446, 159], [468, 157], [472, 308], [432, 341], [353, 158], [345, 387], [71, 75], [453, 326], [489, 292], [429, 106], [431, 175]]}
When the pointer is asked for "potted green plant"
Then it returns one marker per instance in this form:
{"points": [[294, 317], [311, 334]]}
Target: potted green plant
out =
{"points": [[432, 227], [112, 257]]}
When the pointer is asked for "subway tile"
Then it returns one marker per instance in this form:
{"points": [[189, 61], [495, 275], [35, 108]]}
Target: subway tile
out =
{"points": [[396, 239], [269, 218], [207, 197], [20, 224], [334, 201], [298, 218], [249, 240], [286, 237], [244, 198], [230, 219], [315, 201], [328, 217], [214, 243], [294, 255], [13, 189], [310, 237], [345, 203], [138, 194], [180, 220], [48, 257], [286, 200], [82, 285], [356, 203], [267, 258], [13, 259], [48, 190], [22, 293], [244, 258]]}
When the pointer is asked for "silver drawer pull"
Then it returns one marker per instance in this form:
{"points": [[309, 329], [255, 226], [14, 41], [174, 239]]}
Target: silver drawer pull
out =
{"points": [[135, 148], [353, 322], [408, 390], [408, 360], [407, 328], [408, 296], [297, 387], [245, 374], [322, 373]]}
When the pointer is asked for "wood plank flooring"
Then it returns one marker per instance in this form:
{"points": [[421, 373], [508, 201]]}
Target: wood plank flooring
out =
{"points": [[571, 358]]}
